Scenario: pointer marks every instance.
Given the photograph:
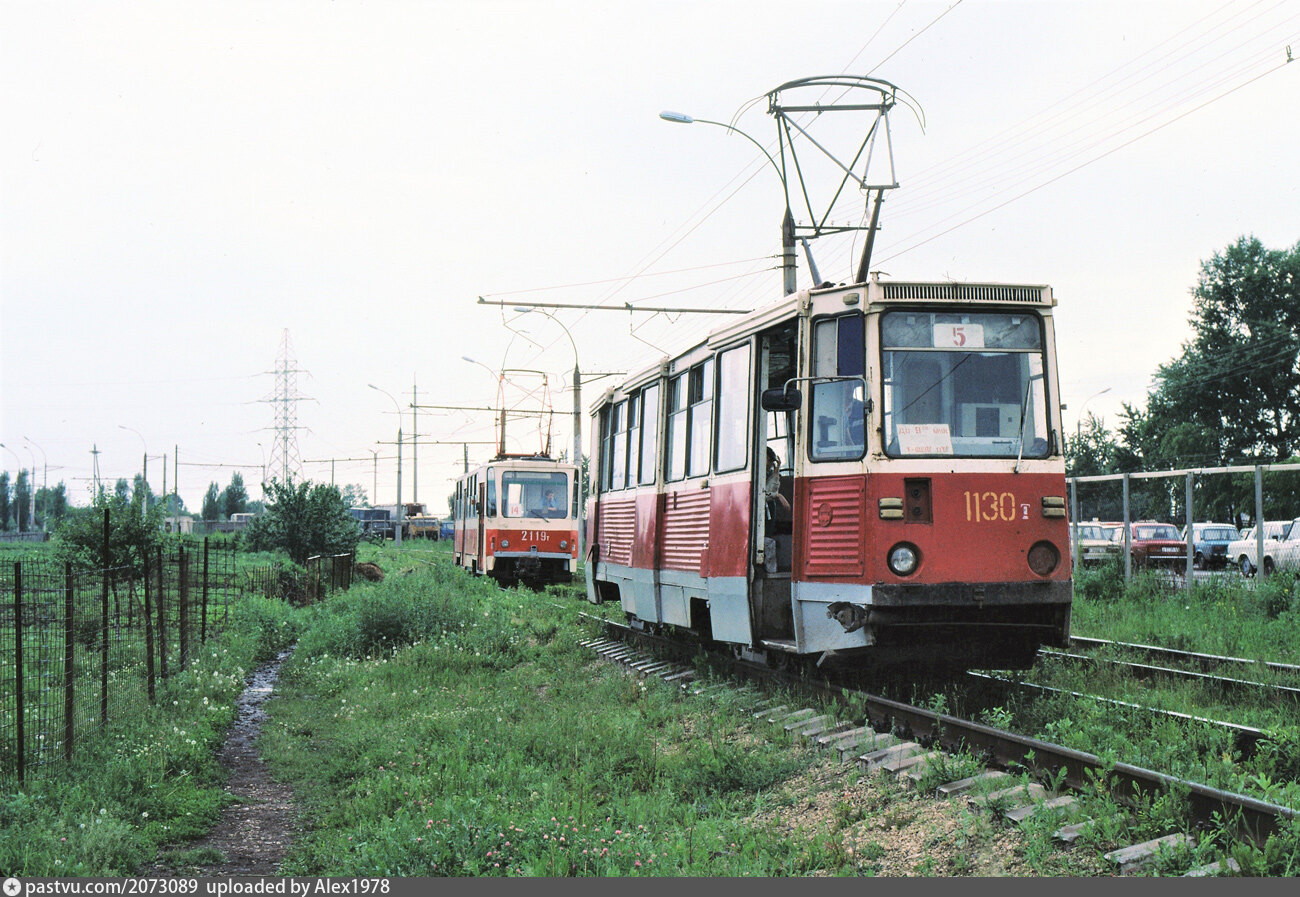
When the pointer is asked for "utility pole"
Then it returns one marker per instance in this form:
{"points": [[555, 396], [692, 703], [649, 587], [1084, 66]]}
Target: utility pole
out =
{"points": [[176, 482], [415, 443]]}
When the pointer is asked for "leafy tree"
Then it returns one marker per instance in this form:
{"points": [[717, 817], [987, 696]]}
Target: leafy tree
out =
{"points": [[5, 509], [211, 503], [1233, 395], [133, 533], [302, 520], [354, 496], [234, 498], [52, 504], [22, 501], [166, 503], [141, 486], [122, 489]]}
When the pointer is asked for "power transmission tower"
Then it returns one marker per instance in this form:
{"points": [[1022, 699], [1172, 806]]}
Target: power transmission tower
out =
{"points": [[285, 462]]}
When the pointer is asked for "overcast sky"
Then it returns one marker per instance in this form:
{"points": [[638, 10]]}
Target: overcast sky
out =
{"points": [[182, 183]]}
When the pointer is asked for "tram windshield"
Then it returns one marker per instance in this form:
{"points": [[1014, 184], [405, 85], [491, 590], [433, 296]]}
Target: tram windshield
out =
{"points": [[535, 493], [962, 384]]}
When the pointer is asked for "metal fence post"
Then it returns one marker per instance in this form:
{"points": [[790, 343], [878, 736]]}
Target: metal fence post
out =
{"points": [[203, 619], [183, 609], [69, 660], [162, 626], [1191, 518], [1259, 519], [148, 633], [19, 705], [1128, 536], [103, 629]]}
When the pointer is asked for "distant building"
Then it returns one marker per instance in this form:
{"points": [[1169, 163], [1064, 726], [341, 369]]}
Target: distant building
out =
{"points": [[184, 525]]}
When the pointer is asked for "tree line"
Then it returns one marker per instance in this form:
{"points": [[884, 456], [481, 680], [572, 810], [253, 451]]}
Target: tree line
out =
{"points": [[1231, 397]]}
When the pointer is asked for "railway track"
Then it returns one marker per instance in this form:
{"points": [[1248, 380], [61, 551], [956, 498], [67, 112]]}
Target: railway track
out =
{"points": [[1204, 662], [910, 740]]}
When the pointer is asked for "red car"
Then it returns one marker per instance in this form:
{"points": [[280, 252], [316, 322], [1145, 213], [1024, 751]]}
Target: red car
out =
{"points": [[1155, 545]]}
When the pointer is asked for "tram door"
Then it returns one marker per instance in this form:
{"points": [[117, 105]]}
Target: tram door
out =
{"points": [[774, 506]]}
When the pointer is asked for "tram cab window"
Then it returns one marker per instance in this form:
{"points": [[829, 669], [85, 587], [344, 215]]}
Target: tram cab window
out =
{"points": [[491, 478], [838, 408], [535, 493], [968, 385]]}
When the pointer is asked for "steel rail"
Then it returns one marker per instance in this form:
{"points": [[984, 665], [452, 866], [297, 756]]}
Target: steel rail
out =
{"points": [[1256, 819], [1145, 671], [1205, 661], [1245, 738]]}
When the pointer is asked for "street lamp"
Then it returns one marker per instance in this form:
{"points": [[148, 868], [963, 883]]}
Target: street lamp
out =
{"points": [[397, 535], [45, 484], [787, 223], [1078, 424], [32, 501], [144, 470], [577, 417]]}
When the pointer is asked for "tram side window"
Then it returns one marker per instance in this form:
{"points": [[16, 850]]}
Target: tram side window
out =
{"points": [[701, 418], [491, 492], [618, 453], [733, 408], [633, 437], [837, 409], [676, 448], [608, 420], [649, 435]]}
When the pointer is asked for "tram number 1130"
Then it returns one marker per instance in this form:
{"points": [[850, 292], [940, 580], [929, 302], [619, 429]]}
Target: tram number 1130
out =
{"points": [[989, 507]]}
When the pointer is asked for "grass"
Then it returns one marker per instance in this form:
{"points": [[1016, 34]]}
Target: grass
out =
{"points": [[436, 725]]}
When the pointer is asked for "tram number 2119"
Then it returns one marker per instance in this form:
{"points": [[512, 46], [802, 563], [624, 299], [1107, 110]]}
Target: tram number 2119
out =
{"points": [[989, 507]]}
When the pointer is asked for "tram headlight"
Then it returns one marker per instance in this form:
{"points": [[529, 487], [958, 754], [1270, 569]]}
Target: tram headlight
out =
{"points": [[505, 543], [564, 544], [1043, 558], [903, 559]]}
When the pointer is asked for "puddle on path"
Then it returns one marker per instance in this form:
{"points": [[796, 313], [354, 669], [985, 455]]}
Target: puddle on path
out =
{"points": [[253, 834]]}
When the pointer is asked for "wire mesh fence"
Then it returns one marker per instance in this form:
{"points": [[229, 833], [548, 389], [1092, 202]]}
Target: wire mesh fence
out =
{"points": [[80, 648]]}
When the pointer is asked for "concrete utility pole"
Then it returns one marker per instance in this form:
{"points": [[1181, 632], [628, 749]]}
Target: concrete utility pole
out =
{"points": [[397, 535]]}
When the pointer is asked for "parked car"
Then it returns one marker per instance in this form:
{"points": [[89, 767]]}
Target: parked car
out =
{"points": [[1153, 544], [1242, 552], [1210, 544], [1095, 545], [1283, 553]]}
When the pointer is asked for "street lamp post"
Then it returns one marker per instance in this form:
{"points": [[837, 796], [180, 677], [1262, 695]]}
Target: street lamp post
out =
{"points": [[397, 535], [787, 221], [1078, 424], [577, 421], [32, 502], [45, 484], [501, 424]]}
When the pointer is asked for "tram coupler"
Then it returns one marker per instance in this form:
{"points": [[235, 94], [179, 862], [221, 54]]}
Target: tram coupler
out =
{"points": [[851, 616]]}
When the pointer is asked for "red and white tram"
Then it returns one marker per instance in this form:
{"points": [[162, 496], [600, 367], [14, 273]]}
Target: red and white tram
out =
{"points": [[915, 510], [516, 520]]}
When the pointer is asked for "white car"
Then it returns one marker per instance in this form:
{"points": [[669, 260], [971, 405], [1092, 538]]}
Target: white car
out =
{"points": [[1283, 554], [1242, 552]]}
